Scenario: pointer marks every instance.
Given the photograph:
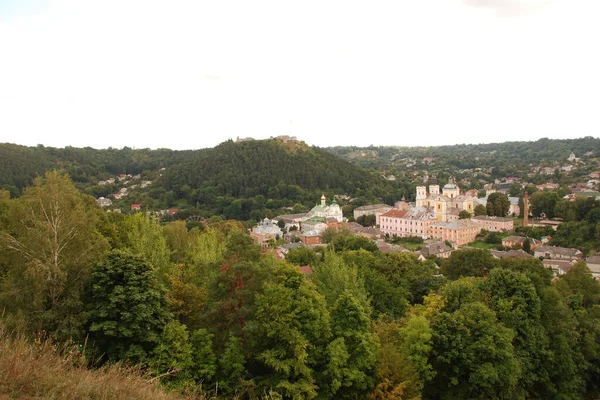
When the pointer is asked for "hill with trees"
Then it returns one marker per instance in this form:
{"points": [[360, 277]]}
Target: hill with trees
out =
{"points": [[506, 155], [238, 180]]}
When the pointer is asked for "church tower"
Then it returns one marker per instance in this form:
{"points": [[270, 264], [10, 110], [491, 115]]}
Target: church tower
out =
{"points": [[323, 198], [421, 196], [434, 190]]}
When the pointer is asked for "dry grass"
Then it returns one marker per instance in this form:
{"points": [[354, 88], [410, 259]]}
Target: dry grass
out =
{"points": [[43, 370]]}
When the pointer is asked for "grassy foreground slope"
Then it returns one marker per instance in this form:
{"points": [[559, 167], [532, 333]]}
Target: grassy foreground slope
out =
{"points": [[42, 370]]}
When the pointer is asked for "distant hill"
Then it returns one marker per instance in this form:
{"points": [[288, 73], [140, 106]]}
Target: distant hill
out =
{"points": [[241, 180], [19, 165], [268, 168], [244, 179], [508, 154]]}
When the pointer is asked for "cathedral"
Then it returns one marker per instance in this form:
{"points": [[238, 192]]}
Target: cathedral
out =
{"points": [[326, 211], [446, 205]]}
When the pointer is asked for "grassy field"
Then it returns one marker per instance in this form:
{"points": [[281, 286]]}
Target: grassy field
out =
{"points": [[483, 245], [43, 370]]}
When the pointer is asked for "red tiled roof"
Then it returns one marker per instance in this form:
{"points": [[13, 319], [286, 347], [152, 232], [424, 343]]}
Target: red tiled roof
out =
{"points": [[306, 270], [395, 213]]}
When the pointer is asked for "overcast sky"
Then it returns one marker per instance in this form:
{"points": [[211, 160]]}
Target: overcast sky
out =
{"points": [[192, 74]]}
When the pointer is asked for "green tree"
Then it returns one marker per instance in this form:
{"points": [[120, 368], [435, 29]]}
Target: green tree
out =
{"points": [[172, 357], [527, 245], [464, 214], [471, 262], [480, 209], [145, 238], [303, 256], [204, 361], [126, 307], [579, 285], [50, 241], [515, 190], [178, 240], [543, 202], [497, 205], [293, 331], [352, 366], [232, 365], [512, 295], [367, 220], [334, 276], [472, 356]]}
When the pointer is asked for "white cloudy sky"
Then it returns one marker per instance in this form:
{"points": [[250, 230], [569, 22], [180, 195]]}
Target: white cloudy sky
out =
{"points": [[191, 74]]}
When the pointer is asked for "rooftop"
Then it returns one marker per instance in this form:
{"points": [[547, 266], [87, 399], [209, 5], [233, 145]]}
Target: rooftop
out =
{"points": [[372, 207], [395, 213]]}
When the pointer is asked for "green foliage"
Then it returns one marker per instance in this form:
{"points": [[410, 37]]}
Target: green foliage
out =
{"points": [[334, 276], [480, 209], [472, 356], [204, 361], [464, 214], [303, 256], [513, 297], [172, 356], [543, 203], [367, 220], [293, 327], [473, 262], [144, 237], [127, 310], [50, 239], [579, 283], [232, 366], [352, 242], [351, 370], [497, 205]]}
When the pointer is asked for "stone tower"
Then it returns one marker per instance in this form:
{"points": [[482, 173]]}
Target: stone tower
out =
{"points": [[421, 196], [526, 209]]}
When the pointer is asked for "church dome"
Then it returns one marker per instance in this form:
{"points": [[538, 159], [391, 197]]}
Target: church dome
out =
{"points": [[449, 186]]}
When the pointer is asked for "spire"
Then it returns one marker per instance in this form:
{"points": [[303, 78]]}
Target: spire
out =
{"points": [[323, 198]]}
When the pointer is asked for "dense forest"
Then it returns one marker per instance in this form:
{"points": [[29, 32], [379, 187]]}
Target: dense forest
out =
{"points": [[508, 155], [244, 180], [205, 311]]}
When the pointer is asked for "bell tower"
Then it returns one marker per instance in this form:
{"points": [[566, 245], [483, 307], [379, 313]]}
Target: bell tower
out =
{"points": [[421, 196]]}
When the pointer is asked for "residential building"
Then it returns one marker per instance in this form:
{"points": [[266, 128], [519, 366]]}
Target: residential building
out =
{"points": [[317, 224], [593, 264], [559, 267], [459, 232], [437, 249], [136, 206], [264, 232], [311, 238], [494, 224], [511, 254], [291, 220], [411, 222], [104, 202], [512, 241], [558, 253]]}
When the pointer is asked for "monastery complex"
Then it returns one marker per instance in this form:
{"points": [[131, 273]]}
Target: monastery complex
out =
{"points": [[435, 215]]}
